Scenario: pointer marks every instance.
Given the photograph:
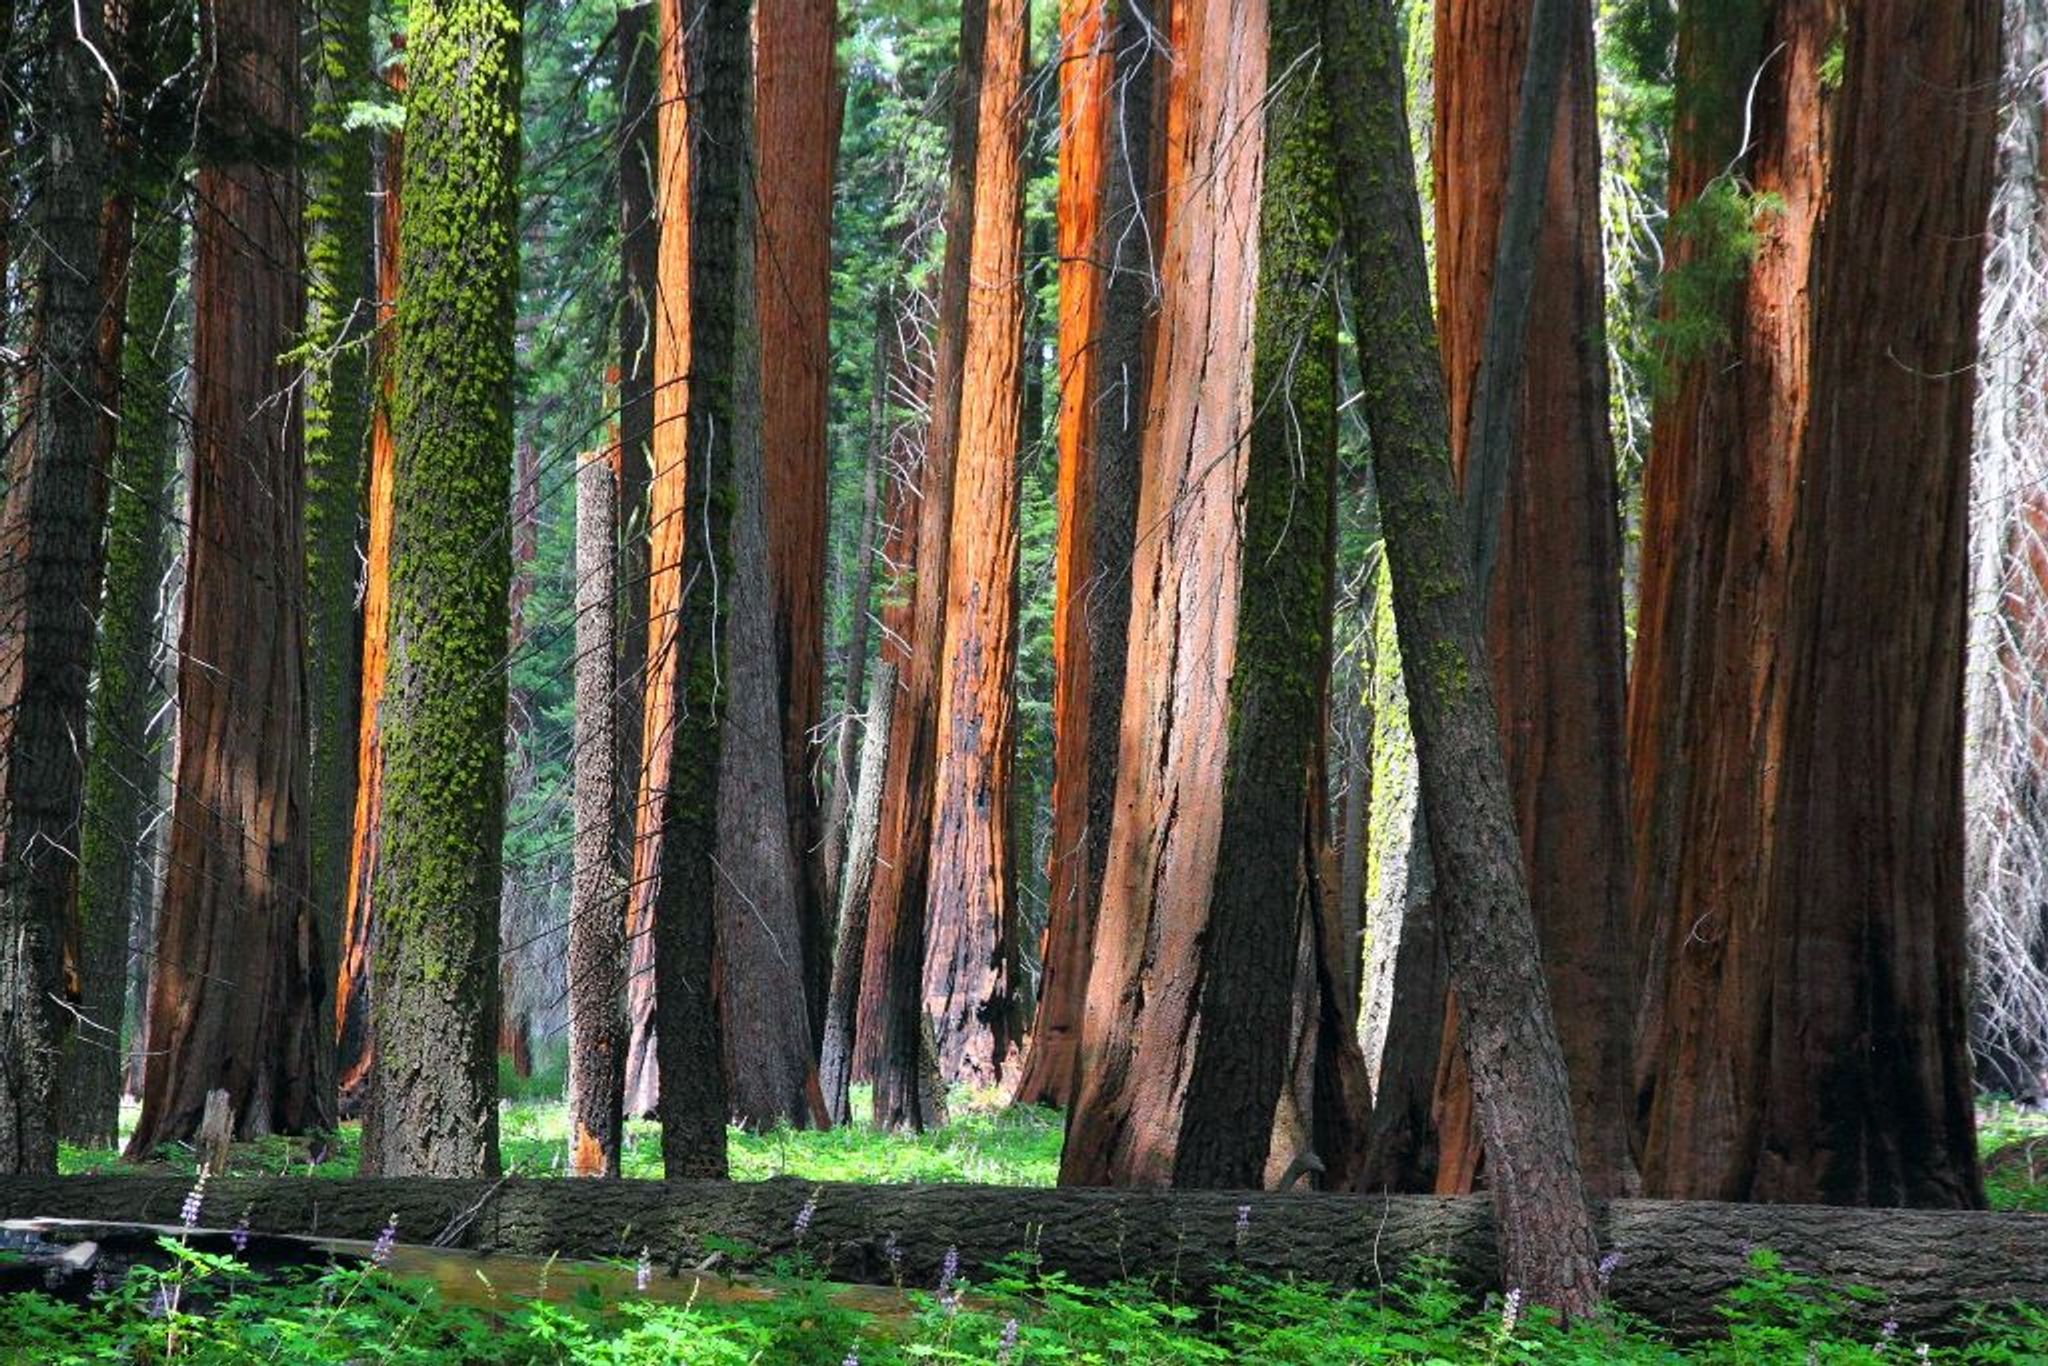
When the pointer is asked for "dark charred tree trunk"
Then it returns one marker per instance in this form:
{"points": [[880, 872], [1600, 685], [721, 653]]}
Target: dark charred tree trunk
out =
{"points": [[597, 907], [354, 1051], [238, 998], [435, 1001], [121, 772], [49, 577], [1554, 627], [797, 131], [1795, 723], [892, 1007], [970, 948], [341, 313], [1520, 1089]]}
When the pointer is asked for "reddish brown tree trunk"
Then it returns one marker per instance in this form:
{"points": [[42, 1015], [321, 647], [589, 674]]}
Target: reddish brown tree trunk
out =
{"points": [[892, 1006], [797, 131], [1796, 711], [238, 994], [352, 976], [970, 945], [1087, 75], [1554, 631]]}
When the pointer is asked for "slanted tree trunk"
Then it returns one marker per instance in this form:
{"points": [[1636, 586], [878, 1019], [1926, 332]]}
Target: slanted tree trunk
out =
{"points": [[353, 1035], [341, 313], [1796, 712], [1520, 1089], [435, 998], [238, 999], [597, 906], [121, 772], [49, 577], [833, 850], [892, 1007], [797, 131], [835, 1066], [970, 949], [1554, 630]]}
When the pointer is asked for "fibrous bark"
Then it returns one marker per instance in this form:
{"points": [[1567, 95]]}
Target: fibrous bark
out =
{"points": [[1554, 629], [435, 999], [969, 963], [1520, 1089], [797, 131], [49, 577], [1795, 718], [891, 1017], [238, 996]]}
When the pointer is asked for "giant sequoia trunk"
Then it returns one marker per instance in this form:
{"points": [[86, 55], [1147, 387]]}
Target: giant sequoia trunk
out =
{"points": [[1795, 721], [1106, 290], [1520, 1090], [238, 997], [969, 965], [435, 1007], [797, 130], [1209, 920], [891, 1019], [49, 576], [354, 1053], [341, 313], [1554, 630]]}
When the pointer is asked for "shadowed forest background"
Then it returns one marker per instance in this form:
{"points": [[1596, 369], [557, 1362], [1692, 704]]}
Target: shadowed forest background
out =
{"points": [[1365, 596]]}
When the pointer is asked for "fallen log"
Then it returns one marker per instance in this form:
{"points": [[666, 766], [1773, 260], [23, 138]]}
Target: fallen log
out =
{"points": [[1677, 1258]]}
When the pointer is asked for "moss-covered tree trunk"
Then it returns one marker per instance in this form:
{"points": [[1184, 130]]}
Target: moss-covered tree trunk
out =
{"points": [[1554, 630], [970, 946], [435, 993], [354, 1050], [121, 772], [239, 991], [49, 575], [341, 312], [1519, 1084], [892, 1022], [1795, 715]]}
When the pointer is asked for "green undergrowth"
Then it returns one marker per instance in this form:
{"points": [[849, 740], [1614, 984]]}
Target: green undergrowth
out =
{"points": [[212, 1309], [987, 1142]]}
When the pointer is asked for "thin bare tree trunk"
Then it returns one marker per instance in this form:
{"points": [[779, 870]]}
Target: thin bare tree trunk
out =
{"points": [[835, 1069]]}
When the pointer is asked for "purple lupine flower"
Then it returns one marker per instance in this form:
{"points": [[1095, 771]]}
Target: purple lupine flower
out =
{"points": [[1510, 1312], [1923, 1352], [188, 1213], [240, 1237], [1608, 1266], [643, 1271], [852, 1356], [805, 1215], [387, 1237], [99, 1280], [893, 1250], [1008, 1343], [948, 1269], [1244, 1225]]}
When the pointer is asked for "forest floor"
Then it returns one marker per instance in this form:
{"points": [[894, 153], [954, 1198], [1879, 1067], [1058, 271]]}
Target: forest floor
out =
{"points": [[207, 1309]]}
